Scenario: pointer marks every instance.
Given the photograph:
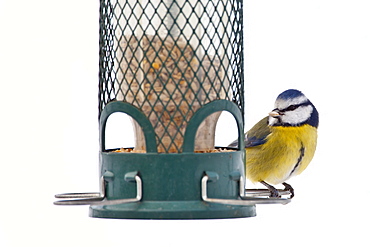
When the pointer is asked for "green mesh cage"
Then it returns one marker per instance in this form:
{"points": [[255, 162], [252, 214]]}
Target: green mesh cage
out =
{"points": [[169, 58]]}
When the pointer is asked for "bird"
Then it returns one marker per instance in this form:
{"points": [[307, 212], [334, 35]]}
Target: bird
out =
{"points": [[282, 144]]}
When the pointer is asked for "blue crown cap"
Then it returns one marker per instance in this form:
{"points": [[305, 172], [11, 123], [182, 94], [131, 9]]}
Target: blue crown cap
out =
{"points": [[290, 94]]}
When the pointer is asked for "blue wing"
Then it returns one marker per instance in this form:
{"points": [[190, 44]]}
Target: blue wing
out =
{"points": [[256, 136]]}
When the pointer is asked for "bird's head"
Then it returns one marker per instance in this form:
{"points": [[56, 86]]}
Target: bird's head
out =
{"points": [[293, 108]]}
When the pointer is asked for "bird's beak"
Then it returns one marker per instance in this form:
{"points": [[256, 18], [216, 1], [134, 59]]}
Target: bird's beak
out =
{"points": [[274, 114]]}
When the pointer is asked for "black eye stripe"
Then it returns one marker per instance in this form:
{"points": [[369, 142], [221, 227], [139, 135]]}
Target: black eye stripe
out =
{"points": [[293, 107]]}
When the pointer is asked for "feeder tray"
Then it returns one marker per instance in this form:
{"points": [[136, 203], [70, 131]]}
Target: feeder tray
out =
{"points": [[172, 67], [208, 207]]}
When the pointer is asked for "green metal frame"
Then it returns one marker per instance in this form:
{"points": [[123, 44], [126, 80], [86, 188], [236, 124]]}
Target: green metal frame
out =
{"points": [[170, 58], [209, 79]]}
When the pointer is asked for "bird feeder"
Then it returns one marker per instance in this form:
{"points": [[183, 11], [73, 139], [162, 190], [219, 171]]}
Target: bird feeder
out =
{"points": [[172, 66]]}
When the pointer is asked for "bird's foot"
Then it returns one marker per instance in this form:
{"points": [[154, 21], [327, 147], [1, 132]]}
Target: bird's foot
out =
{"points": [[288, 187], [274, 193]]}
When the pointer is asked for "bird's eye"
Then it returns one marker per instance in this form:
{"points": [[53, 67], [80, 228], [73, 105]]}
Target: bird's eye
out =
{"points": [[292, 108]]}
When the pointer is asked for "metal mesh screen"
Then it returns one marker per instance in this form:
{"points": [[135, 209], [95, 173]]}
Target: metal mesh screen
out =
{"points": [[169, 58]]}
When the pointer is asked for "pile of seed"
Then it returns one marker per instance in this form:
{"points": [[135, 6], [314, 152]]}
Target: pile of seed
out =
{"points": [[168, 82]]}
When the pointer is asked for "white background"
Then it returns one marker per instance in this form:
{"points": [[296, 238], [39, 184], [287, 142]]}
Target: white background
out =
{"points": [[49, 127]]}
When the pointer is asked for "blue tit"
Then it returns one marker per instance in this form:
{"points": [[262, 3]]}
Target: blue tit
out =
{"points": [[282, 144]]}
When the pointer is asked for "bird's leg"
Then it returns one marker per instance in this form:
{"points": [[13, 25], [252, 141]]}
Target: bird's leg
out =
{"points": [[273, 191], [289, 188]]}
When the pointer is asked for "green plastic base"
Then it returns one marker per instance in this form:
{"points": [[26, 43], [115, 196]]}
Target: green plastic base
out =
{"points": [[171, 185], [171, 182], [172, 210]]}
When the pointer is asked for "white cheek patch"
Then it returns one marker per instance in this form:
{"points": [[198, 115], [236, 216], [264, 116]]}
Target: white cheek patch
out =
{"points": [[298, 116], [285, 103]]}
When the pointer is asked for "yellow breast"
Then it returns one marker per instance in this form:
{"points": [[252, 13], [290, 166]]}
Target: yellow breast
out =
{"points": [[287, 152]]}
